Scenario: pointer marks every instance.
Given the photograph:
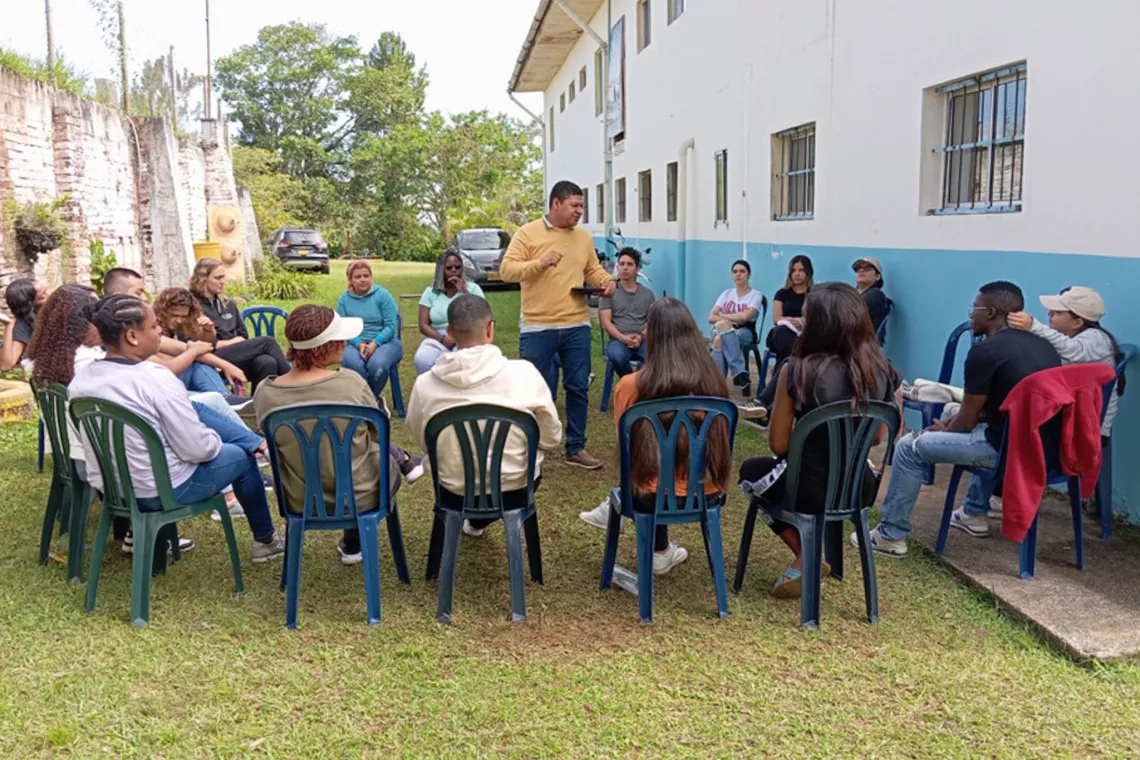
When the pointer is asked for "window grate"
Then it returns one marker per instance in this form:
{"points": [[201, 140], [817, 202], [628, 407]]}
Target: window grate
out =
{"points": [[645, 196], [619, 201], [671, 192], [721, 186], [793, 184]]}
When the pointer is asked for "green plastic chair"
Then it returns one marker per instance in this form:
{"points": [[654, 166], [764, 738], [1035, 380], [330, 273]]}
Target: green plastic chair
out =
{"points": [[104, 425], [850, 436], [70, 497], [482, 431]]}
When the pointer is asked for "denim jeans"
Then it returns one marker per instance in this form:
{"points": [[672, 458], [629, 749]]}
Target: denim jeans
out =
{"points": [[620, 355], [202, 378], [913, 453], [227, 424], [428, 354], [729, 358], [231, 465], [378, 366], [572, 347]]}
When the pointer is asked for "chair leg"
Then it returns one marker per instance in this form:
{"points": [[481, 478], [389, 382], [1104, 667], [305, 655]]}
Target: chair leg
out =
{"points": [[41, 447], [77, 543], [435, 549], [833, 548], [55, 498], [452, 527], [235, 558], [609, 557], [97, 557], [607, 387], [948, 510], [533, 548], [1104, 492], [1078, 520], [1029, 552], [745, 544], [867, 558], [715, 545], [142, 563], [396, 541], [512, 525], [646, 526], [397, 394], [811, 542], [368, 525], [294, 541], [704, 522], [928, 471]]}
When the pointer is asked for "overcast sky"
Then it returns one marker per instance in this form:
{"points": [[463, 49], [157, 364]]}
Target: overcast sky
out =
{"points": [[469, 47]]}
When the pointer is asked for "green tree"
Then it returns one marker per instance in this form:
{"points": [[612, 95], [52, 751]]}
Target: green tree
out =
{"points": [[278, 199]]}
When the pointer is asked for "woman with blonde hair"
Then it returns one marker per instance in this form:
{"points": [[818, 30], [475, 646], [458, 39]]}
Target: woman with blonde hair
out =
{"points": [[259, 358]]}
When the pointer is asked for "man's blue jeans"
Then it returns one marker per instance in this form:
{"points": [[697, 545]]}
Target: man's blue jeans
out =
{"points": [[620, 355], [572, 347], [729, 358], [378, 366], [202, 378], [913, 453], [234, 466]]}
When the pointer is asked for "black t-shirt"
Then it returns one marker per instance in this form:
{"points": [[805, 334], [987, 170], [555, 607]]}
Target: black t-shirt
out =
{"points": [[22, 331], [997, 364], [793, 302], [829, 384], [878, 305], [226, 317]]}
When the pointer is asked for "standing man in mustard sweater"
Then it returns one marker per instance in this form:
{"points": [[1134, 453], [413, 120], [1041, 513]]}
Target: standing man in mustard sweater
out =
{"points": [[549, 257]]}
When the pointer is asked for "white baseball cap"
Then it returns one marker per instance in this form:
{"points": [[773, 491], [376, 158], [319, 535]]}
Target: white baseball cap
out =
{"points": [[1086, 303], [341, 328]]}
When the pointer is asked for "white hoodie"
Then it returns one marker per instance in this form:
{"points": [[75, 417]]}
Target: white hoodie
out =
{"points": [[482, 375]]}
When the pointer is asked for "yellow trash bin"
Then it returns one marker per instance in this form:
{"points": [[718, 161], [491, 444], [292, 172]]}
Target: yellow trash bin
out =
{"points": [[207, 250]]}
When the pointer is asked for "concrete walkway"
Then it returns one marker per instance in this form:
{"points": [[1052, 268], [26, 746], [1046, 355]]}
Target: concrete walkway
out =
{"points": [[1093, 613]]}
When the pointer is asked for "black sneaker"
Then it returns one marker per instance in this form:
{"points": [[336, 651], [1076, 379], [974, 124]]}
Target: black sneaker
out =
{"points": [[744, 383], [128, 545], [412, 468], [267, 481]]}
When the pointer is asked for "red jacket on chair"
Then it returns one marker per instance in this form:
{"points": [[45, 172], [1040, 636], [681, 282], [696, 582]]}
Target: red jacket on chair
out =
{"points": [[1075, 391]]}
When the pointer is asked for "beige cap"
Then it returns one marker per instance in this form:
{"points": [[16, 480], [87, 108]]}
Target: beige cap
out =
{"points": [[871, 261], [1086, 303]]}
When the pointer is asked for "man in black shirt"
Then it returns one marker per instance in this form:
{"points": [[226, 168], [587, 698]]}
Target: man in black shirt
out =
{"points": [[972, 436]]}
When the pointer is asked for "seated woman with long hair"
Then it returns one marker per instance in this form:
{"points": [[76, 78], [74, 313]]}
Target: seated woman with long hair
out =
{"points": [[201, 463], [317, 336], [450, 282], [24, 297], [837, 358], [259, 358], [677, 363]]}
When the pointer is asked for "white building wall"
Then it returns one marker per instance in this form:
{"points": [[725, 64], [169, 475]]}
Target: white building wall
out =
{"points": [[727, 69]]}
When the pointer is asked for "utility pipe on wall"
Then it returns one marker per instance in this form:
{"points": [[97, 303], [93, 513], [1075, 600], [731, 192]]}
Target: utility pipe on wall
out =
{"points": [[683, 156]]}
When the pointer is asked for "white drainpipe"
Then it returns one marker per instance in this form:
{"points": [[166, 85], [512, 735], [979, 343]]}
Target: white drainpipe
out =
{"points": [[683, 155]]}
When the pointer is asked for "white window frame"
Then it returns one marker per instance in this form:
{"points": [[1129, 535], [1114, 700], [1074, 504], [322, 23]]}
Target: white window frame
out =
{"points": [[793, 174]]}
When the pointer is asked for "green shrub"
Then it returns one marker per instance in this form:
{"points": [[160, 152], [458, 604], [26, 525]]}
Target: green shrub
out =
{"points": [[273, 282], [102, 261]]}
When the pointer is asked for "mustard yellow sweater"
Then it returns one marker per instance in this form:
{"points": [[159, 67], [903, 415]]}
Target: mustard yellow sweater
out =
{"points": [[546, 297]]}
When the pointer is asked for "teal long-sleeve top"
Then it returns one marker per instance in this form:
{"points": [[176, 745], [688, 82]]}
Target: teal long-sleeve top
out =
{"points": [[377, 309]]}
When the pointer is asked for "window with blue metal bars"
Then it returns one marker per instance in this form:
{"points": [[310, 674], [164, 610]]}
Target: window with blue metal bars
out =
{"points": [[793, 191], [983, 160]]}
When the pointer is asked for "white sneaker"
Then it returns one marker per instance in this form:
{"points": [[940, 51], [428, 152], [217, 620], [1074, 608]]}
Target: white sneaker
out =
{"points": [[347, 558], [236, 512], [665, 561], [884, 546], [599, 516], [995, 506], [978, 527], [471, 530], [128, 545]]}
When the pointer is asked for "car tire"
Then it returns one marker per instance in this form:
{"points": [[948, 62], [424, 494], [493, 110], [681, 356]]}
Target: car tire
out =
{"points": [[325, 269]]}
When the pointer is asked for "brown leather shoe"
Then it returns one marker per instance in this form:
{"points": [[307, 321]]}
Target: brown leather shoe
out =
{"points": [[583, 460]]}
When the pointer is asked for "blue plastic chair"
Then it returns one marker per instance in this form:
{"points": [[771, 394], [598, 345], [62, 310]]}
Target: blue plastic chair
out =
{"points": [[482, 431], [850, 437], [1104, 483], [607, 387], [261, 321], [70, 497], [752, 350], [932, 411], [316, 425], [394, 374], [881, 332], [669, 508], [1028, 547]]}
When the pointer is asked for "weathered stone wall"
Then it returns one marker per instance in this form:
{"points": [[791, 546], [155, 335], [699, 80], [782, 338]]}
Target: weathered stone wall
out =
{"points": [[127, 182]]}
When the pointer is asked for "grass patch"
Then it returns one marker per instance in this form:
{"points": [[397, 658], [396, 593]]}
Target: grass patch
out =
{"points": [[216, 675]]}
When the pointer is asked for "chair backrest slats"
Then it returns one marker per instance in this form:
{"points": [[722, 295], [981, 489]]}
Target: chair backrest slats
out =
{"points": [[685, 410], [850, 437], [482, 432], [52, 401], [324, 419], [262, 320]]}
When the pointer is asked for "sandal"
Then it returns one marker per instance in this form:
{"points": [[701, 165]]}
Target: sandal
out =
{"points": [[790, 584]]}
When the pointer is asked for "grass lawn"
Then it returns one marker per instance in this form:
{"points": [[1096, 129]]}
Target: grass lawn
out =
{"points": [[217, 675]]}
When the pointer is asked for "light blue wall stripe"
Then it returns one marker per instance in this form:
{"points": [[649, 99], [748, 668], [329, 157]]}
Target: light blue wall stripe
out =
{"points": [[932, 291]]}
